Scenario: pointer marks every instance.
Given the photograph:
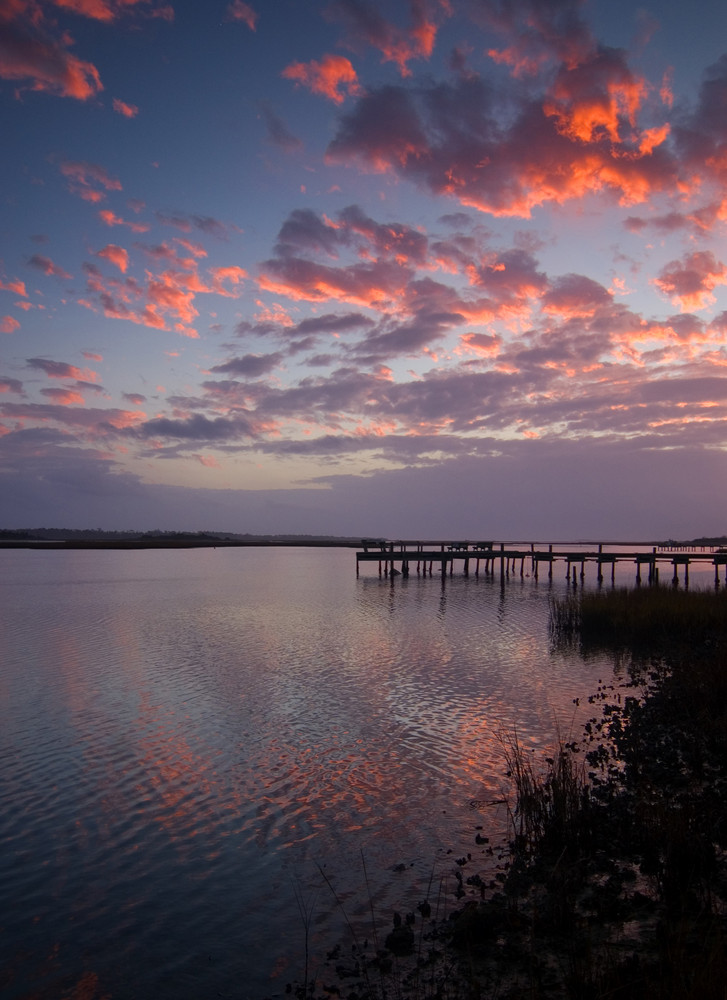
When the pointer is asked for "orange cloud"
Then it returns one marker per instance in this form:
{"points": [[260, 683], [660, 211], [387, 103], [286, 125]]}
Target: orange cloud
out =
{"points": [[111, 219], [47, 65], [325, 77], [239, 11], [487, 345], [168, 294], [689, 282], [395, 44], [595, 98], [8, 324], [16, 287], [115, 255], [127, 110], [232, 274]]}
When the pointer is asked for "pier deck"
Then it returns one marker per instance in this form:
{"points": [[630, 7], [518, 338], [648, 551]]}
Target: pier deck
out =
{"points": [[398, 557]]}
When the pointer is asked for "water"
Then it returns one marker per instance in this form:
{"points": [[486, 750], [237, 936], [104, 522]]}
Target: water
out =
{"points": [[188, 739]]}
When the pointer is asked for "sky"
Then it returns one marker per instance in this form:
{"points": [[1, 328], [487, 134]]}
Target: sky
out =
{"points": [[412, 269]]}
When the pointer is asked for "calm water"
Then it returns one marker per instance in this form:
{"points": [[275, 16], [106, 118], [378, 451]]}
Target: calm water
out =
{"points": [[188, 737]]}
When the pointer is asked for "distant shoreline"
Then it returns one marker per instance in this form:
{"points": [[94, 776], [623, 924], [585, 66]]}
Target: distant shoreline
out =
{"points": [[172, 543]]}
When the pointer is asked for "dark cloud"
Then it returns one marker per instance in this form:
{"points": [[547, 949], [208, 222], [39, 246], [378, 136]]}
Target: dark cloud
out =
{"points": [[278, 132], [194, 428], [47, 266], [11, 385], [251, 365]]}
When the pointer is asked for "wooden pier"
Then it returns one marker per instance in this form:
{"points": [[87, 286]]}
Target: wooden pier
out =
{"points": [[399, 557]]}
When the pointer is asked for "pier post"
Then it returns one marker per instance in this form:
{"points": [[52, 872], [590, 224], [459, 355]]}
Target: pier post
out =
{"points": [[550, 562], [600, 565], [502, 560]]}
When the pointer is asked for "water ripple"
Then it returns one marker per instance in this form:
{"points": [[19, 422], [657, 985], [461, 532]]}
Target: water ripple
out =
{"points": [[185, 736]]}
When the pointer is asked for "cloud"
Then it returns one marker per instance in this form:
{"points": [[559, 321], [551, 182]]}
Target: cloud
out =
{"points": [[46, 265], [194, 428], [505, 156], [112, 10], [115, 255], [575, 296], [278, 132], [61, 369], [205, 223], [11, 385], [251, 365], [85, 179], [365, 25], [167, 295], [63, 397], [689, 282], [8, 324], [239, 11], [29, 54], [326, 77], [127, 110], [17, 287], [111, 219]]}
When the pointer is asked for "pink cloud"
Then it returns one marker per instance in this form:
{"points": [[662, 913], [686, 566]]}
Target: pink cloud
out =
{"points": [[83, 175], [111, 219], [575, 296], [115, 255], [239, 11], [63, 397], [111, 10], [326, 77], [127, 110], [8, 324]]}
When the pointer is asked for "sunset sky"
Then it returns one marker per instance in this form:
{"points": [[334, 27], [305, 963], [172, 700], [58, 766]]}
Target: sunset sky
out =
{"points": [[437, 268]]}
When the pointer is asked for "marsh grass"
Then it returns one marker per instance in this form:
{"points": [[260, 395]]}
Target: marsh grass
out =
{"points": [[614, 884], [656, 617]]}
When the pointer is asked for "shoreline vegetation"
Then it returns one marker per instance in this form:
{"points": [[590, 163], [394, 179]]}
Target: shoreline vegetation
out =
{"points": [[613, 883], [96, 538], [60, 538]]}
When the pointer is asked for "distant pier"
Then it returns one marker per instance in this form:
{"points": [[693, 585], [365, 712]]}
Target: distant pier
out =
{"points": [[505, 559]]}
